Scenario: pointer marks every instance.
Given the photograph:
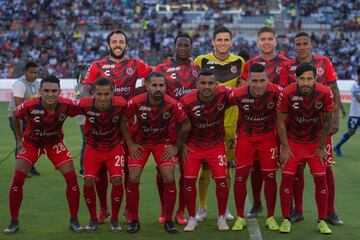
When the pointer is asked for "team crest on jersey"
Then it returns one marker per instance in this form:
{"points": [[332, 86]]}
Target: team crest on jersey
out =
{"points": [[320, 71], [194, 73], [129, 71], [22, 150], [115, 119], [278, 69], [62, 117], [270, 105], [220, 106], [233, 69], [318, 105], [166, 115]]}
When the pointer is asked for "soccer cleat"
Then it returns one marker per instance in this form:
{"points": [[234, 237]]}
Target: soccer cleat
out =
{"points": [[201, 214], [296, 217], [13, 227], [75, 226], [169, 227], [338, 151], [228, 215], [221, 223], [334, 219], [272, 224], [134, 227], [34, 172], [255, 210], [192, 223], [102, 216], [127, 216], [115, 226], [285, 226], [323, 227], [92, 225], [239, 224], [180, 218]]}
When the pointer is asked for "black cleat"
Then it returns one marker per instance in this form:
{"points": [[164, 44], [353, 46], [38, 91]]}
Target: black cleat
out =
{"points": [[115, 226], [92, 225], [134, 227], [334, 219], [169, 227], [34, 172], [255, 210], [13, 227], [75, 225], [296, 217]]}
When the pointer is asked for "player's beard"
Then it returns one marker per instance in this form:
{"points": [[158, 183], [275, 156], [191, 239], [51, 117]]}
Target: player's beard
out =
{"points": [[112, 54], [306, 90]]}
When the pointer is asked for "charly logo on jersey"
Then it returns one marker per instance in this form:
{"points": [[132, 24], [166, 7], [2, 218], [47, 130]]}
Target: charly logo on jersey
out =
{"points": [[270, 105], [115, 119], [278, 69], [233, 69], [62, 117], [166, 115], [220, 106], [318, 105], [319, 71], [129, 71], [246, 107], [37, 111]]}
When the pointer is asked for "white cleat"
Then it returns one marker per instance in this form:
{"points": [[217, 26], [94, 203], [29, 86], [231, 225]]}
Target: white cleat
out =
{"points": [[192, 223], [222, 225], [201, 214], [228, 215]]}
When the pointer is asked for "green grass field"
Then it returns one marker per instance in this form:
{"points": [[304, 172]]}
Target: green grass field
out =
{"points": [[44, 212]]}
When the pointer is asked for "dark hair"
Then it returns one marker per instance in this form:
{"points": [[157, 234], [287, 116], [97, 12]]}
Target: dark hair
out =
{"points": [[266, 29], [101, 81], [154, 75], [183, 35], [30, 65], [118, 31], [301, 34], [205, 72], [304, 67], [244, 54], [50, 79], [221, 29], [256, 67]]}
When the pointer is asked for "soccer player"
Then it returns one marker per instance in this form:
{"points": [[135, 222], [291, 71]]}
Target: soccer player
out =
{"points": [[124, 71], [354, 115], [104, 145], [153, 111], [25, 88], [180, 74], [44, 117], [206, 109], [327, 76], [256, 134], [304, 120], [266, 43], [228, 69]]}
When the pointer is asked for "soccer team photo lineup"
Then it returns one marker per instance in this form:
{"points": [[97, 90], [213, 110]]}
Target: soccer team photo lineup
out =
{"points": [[228, 118]]}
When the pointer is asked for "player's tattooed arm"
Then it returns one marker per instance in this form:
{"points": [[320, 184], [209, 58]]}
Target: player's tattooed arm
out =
{"points": [[134, 149], [320, 152], [285, 152], [335, 121], [182, 133]]}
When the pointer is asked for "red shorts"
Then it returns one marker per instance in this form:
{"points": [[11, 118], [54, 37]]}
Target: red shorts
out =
{"points": [[264, 147], [214, 156], [304, 153], [157, 151], [57, 153], [114, 160]]}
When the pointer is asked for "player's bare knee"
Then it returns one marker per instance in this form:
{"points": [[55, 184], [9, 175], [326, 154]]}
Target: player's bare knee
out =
{"points": [[89, 181], [168, 178], [22, 165], [116, 181]]}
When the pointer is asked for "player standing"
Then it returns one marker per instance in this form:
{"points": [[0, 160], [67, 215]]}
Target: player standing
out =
{"points": [[153, 112], [227, 68], [304, 119], [44, 117]]}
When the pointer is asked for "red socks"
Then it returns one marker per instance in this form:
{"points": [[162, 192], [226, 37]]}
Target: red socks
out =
{"points": [[286, 189], [240, 190], [330, 181], [181, 190], [270, 191], [90, 200], [169, 196], [72, 193], [190, 195], [256, 180], [160, 186], [321, 195], [132, 198], [298, 191], [102, 186], [117, 193], [222, 195], [16, 194]]}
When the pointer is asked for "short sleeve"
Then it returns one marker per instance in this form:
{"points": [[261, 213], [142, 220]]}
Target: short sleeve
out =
{"points": [[92, 74], [19, 89], [179, 114]]}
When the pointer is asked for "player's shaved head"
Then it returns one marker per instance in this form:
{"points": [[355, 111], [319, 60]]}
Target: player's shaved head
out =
{"points": [[101, 81], [117, 31], [50, 79], [305, 67]]}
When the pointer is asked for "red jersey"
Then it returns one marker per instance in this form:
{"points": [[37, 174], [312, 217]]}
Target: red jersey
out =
{"points": [[124, 74], [304, 119], [153, 121], [102, 129], [273, 67], [44, 128], [180, 79], [257, 115], [325, 71], [207, 118]]}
